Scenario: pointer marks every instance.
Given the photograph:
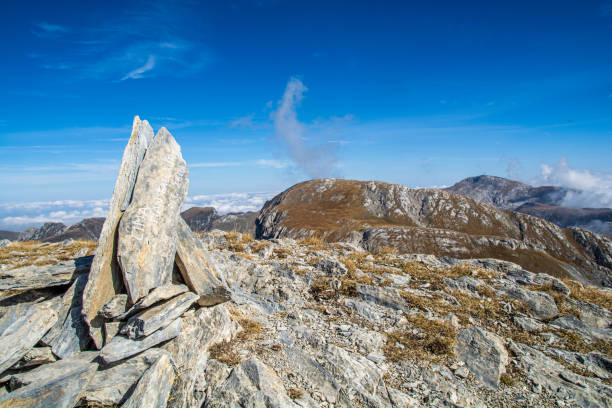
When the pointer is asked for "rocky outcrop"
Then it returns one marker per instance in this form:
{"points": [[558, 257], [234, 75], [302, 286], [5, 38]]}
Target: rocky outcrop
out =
{"points": [[204, 219], [483, 353], [544, 202], [428, 221]]}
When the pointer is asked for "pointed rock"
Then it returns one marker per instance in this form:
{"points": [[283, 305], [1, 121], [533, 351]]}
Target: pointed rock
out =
{"points": [[147, 231], [21, 333], [61, 391], [148, 321], [120, 347], [196, 269], [483, 353], [111, 385], [154, 386], [105, 279]]}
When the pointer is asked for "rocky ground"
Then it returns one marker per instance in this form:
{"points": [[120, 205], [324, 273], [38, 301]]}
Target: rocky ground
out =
{"points": [[312, 324]]}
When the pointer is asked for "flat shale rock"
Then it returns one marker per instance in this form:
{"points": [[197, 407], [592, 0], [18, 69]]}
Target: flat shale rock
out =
{"points": [[483, 353], [36, 356], [61, 391], [111, 385], [148, 321], [121, 347], [72, 297], [154, 386], [156, 295], [38, 277], [250, 384], [74, 334], [105, 279], [147, 231], [541, 305], [115, 307], [189, 350], [196, 269], [18, 334]]}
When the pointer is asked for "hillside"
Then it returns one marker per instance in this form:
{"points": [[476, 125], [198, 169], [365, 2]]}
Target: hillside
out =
{"points": [[544, 202], [429, 221]]}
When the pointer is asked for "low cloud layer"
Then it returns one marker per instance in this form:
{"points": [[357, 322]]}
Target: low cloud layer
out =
{"points": [[315, 161], [19, 216], [594, 190]]}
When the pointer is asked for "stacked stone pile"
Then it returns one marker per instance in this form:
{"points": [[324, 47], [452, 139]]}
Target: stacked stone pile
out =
{"points": [[125, 329]]}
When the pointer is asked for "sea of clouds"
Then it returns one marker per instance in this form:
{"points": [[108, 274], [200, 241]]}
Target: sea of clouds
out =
{"points": [[19, 216]]}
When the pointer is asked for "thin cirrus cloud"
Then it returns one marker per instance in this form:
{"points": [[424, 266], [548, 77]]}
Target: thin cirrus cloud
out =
{"points": [[126, 48]]}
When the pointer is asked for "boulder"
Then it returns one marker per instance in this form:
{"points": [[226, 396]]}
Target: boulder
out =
{"points": [[62, 390], [196, 269], [121, 347], [483, 353], [148, 321], [571, 322], [250, 384], [147, 231], [154, 386], [541, 305], [19, 333], [105, 279]]}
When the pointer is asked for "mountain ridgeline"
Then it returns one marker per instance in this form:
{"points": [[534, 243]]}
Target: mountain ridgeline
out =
{"points": [[375, 215]]}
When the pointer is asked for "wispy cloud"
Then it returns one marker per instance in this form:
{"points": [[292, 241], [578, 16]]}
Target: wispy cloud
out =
{"points": [[217, 164], [592, 189], [277, 164], [137, 73], [232, 202], [243, 122], [314, 161], [158, 40]]}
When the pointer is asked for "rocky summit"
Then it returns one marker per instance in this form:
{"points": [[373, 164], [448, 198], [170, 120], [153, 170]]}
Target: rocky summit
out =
{"points": [[355, 294]]}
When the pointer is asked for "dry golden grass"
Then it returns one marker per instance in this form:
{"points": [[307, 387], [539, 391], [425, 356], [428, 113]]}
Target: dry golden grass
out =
{"points": [[37, 253], [257, 245], [295, 393], [434, 341], [589, 294], [226, 351], [281, 253]]}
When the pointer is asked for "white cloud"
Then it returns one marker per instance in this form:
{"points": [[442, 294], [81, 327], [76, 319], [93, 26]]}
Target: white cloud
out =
{"points": [[591, 189], [216, 164], [137, 73], [277, 164], [243, 122], [232, 202], [314, 161]]}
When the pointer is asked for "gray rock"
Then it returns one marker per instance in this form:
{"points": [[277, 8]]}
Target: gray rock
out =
{"points": [[483, 353], [154, 386], [592, 315], [363, 309], [36, 356], [5, 242], [332, 267], [60, 391], [122, 347], [529, 324], [148, 321], [541, 305], [189, 350], [72, 297], [114, 307], [74, 334], [111, 329], [156, 295], [597, 364], [464, 283], [196, 268], [37, 277], [105, 279], [112, 384], [147, 230], [250, 384], [52, 370], [545, 372], [18, 334], [571, 322], [387, 297]]}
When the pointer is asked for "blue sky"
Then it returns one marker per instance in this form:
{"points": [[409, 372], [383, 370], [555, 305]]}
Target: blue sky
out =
{"points": [[264, 94]]}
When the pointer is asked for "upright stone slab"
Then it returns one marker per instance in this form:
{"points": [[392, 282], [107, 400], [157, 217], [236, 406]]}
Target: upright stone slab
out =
{"points": [[147, 231], [154, 386], [197, 270], [105, 276]]}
